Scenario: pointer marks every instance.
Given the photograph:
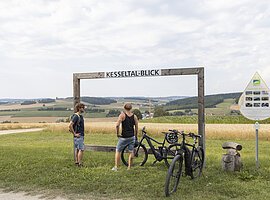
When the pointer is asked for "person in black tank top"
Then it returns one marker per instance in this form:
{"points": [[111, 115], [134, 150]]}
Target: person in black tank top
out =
{"points": [[128, 126], [129, 132]]}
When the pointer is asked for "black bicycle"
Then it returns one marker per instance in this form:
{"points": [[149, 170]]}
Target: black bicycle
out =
{"points": [[192, 159], [161, 153]]}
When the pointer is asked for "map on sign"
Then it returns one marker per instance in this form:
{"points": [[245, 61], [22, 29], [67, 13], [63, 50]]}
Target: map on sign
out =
{"points": [[254, 102]]}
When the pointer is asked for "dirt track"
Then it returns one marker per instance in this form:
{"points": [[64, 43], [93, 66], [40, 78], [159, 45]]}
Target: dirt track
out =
{"points": [[23, 196], [4, 132]]}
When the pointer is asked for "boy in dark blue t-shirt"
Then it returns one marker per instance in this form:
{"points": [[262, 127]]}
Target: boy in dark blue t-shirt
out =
{"points": [[76, 126]]}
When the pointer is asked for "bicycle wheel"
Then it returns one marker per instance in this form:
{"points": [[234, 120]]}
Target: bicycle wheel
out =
{"points": [[197, 161], [173, 175], [170, 153], [140, 155]]}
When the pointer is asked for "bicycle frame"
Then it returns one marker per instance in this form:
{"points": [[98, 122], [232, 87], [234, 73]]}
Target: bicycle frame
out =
{"points": [[149, 141], [185, 144], [158, 149], [192, 160], [183, 149]]}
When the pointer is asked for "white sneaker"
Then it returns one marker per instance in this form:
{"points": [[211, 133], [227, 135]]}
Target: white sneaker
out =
{"points": [[115, 169]]}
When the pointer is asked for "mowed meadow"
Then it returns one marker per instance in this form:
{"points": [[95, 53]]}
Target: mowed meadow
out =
{"points": [[42, 163]]}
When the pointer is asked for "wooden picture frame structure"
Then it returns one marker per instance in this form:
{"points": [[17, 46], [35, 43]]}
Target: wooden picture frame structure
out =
{"points": [[199, 71]]}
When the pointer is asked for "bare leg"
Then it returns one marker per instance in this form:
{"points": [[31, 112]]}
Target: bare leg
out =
{"points": [[80, 156], [117, 159], [130, 159], [76, 156]]}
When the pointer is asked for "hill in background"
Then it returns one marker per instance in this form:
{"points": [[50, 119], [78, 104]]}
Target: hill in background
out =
{"points": [[52, 110], [211, 101]]}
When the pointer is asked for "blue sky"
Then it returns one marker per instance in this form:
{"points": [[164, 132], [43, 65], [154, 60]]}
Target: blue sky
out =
{"points": [[42, 43]]}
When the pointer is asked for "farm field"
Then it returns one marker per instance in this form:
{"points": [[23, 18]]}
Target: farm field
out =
{"points": [[213, 131], [10, 126], [43, 162], [62, 109], [100, 117], [223, 108]]}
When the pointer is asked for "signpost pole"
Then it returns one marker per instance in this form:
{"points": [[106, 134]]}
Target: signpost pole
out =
{"points": [[255, 105], [257, 126]]}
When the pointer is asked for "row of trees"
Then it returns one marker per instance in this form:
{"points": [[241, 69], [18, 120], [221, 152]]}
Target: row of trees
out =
{"points": [[116, 113], [158, 112], [30, 102], [98, 100]]}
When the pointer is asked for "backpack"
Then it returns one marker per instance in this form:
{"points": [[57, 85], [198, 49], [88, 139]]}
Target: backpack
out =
{"points": [[76, 124]]}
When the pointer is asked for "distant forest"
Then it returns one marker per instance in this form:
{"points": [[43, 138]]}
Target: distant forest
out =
{"points": [[192, 102], [95, 100], [98, 100], [145, 99], [29, 102], [137, 98]]}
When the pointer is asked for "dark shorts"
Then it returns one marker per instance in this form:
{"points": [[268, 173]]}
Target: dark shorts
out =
{"points": [[122, 142]]}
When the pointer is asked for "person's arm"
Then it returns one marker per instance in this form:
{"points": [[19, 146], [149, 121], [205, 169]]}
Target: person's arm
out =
{"points": [[71, 127], [71, 124], [136, 126], [119, 121]]}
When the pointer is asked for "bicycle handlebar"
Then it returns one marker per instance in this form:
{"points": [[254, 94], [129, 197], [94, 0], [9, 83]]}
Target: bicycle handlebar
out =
{"points": [[194, 135], [185, 134], [143, 129], [174, 131]]}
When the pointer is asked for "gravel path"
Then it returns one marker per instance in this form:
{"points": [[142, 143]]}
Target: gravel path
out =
{"points": [[23, 196], [4, 132]]}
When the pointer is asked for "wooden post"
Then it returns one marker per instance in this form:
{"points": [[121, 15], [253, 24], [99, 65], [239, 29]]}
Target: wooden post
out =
{"points": [[201, 110], [76, 90], [76, 99]]}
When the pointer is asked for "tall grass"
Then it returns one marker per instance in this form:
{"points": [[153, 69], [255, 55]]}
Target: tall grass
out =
{"points": [[212, 131], [9, 126]]}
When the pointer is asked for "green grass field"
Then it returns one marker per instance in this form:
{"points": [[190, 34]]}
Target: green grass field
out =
{"points": [[43, 161], [221, 109], [220, 114]]}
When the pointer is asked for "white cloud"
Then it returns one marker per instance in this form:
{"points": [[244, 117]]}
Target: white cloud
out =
{"points": [[230, 38]]}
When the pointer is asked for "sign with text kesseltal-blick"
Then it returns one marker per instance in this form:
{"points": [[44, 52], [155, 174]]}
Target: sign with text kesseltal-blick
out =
{"points": [[133, 73], [255, 101]]}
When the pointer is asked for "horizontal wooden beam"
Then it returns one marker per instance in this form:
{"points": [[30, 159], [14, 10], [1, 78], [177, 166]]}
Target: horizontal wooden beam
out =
{"points": [[99, 148], [139, 73], [104, 148], [93, 75], [181, 71]]}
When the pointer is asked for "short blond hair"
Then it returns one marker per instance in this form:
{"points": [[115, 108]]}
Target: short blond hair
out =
{"points": [[128, 106]]}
